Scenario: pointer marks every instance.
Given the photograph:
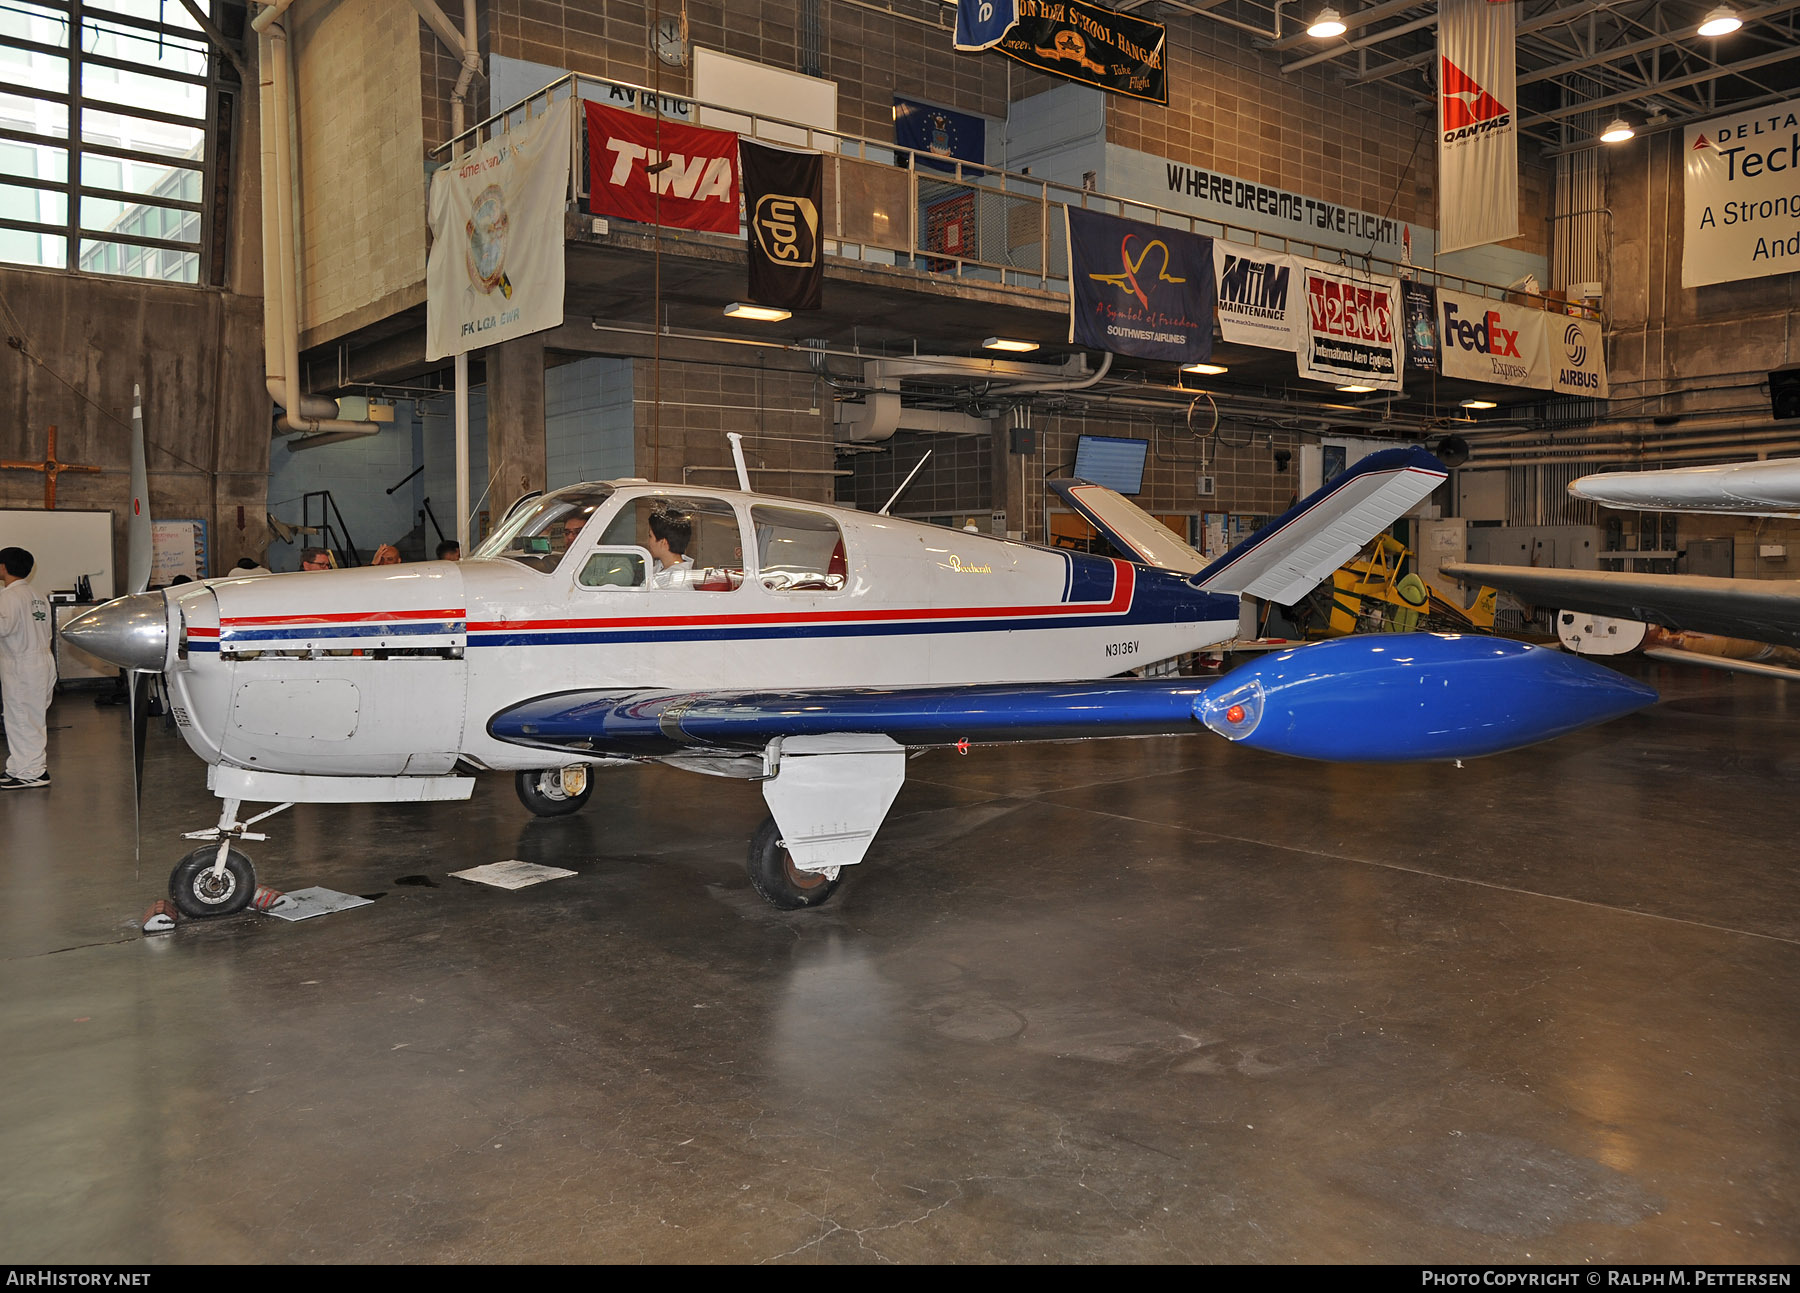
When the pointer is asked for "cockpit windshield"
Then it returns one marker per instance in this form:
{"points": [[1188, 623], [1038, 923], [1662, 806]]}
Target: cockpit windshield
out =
{"points": [[539, 533]]}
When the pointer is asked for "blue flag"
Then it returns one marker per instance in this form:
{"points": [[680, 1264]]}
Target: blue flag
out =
{"points": [[981, 23], [1139, 289]]}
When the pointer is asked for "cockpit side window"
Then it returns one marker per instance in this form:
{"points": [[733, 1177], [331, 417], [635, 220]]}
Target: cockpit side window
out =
{"points": [[540, 533], [798, 551], [704, 531]]}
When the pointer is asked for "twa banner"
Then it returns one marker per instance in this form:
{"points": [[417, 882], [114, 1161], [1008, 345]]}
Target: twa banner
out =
{"points": [[1478, 131], [495, 270], [1259, 295], [1138, 289], [1493, 341], [694, 183], [783, 191], [1351, 328], [1743, 202]]}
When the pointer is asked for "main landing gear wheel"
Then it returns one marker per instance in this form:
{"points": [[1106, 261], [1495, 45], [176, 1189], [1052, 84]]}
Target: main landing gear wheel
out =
{"points": [[198, 892], [781, 883], [555, 792]]}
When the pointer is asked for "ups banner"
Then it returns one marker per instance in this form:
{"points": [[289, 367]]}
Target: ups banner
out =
{"points": [[1095, 46], [1139, 289], [783, 191]]}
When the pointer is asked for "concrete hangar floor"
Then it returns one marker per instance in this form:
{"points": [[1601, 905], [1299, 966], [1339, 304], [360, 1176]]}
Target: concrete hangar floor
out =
{"points": [[1131, 1001]]}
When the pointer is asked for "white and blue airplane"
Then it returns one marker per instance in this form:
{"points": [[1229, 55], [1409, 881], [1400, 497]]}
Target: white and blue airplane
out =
{"points": [[807, 647]]}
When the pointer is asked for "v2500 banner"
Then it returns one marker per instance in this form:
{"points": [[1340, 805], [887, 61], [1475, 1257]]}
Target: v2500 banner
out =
{"points": [[1743, 196], [1478, 124], [659, 171], [1351, 331], [783, 191], [1139, 289], [495, 271]]}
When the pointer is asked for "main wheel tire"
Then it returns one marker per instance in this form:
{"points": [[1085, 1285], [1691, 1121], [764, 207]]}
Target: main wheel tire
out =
{"points": [[781, 883], [541, 791], [197, 892]]}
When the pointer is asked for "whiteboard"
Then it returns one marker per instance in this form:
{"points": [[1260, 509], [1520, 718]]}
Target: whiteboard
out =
{"points": [[756, 87], [66, 543]]}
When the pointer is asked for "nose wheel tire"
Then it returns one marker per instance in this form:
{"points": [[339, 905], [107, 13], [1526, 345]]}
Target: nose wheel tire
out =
{"points": [[546, 792], [781, 883], [199, 892]]}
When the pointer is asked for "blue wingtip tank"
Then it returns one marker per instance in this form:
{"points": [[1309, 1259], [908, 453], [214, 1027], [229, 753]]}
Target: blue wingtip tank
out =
{"points": [[1386, 698]]}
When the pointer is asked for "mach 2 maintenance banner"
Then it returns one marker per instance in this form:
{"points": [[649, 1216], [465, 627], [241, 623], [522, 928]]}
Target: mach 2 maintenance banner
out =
{"points": [[659, 171], [1139, 289], [1259, 295], [1743, 196], [495, 271], [1350, 331], [1478, 127]]}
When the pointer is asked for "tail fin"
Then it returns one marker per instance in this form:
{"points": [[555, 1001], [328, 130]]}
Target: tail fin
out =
{"points": [[1283, 561]]}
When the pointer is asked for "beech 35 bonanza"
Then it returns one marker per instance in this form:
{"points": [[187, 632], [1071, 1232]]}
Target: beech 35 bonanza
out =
{"points": [[808, 648]]}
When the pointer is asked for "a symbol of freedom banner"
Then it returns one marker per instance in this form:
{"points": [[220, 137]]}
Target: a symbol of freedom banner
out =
{"points": [[1139, 289]]}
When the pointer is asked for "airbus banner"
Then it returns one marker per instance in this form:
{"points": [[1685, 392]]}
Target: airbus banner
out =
{"points": [[783, 192], [1493, 341], [1478, 131], [1139, 289], [1577, 359], [661, 172], [1259, 295], [1743, 196], [495, 270], [1350, 332]]}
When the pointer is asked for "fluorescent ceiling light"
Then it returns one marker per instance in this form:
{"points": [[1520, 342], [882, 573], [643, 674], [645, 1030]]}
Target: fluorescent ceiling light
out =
{"points": [[1618, 132], [1207, 370], [764, 313], [1327, 24], [1356, 388], [1479, 404], [1721, 22], [1007, 343]]}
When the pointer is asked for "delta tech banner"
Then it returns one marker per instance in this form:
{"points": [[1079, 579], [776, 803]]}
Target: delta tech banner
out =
{"points": [[1084, 42], [1478, 132], [1494, 341], [659, 171], [495, 270], [1350, 332], [1259, 296], [1743, 196], [1139, 289]]}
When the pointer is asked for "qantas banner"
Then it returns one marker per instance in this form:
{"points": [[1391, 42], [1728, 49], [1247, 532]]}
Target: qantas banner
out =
{"points": [[495, 270], [783, 191], [1351, 329], [1492, 341], [1259, 296], [1139, 289], [1577, 359], [695, 185], [1478, 131], [1743, 196]]}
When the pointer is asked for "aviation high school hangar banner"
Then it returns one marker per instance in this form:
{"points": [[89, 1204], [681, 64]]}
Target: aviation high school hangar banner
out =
{"points": [[495, 270], [1478, 130]]}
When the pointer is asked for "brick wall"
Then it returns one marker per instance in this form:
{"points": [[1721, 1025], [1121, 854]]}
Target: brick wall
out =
{"points": [[685, 409]]}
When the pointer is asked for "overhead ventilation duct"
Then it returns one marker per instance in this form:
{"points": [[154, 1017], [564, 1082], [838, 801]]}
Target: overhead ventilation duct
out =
{"points": [[884, 411]]}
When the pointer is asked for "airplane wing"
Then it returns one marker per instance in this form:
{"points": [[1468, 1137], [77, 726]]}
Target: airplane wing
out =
{"points": [[1763, 610], [1384, 697], [1284, 560]]}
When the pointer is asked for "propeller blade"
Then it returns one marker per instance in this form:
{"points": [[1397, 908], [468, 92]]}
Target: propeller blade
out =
{"points": [[139, 687], [139, 539]]}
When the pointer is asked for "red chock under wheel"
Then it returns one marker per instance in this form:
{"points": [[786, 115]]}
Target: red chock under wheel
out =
{"points": [[160, 917]]}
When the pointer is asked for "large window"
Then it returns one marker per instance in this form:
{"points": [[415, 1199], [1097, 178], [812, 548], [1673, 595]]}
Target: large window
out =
{"points": [[105, 138]]}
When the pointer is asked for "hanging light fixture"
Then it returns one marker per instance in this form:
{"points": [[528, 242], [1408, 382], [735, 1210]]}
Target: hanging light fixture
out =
{"points": [[1618, 132], [1721, 22], [1328, 24]]}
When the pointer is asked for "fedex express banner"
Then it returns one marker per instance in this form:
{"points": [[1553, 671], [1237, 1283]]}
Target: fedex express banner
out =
{"points": [[1743, 196], [1492, 341], [495, 270], [660, 171], [1478, 131], [1259, 295], [1350, 329]]}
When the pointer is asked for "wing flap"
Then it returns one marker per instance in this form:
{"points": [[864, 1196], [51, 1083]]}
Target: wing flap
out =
{"points": [[1284, 560]]}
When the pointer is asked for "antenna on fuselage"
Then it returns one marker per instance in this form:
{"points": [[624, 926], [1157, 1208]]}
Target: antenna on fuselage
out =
{"points": [[904, 484], [737, 458]]}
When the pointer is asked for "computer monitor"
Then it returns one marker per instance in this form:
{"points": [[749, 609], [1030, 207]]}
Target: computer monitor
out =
{"points": [[1112, 461]]}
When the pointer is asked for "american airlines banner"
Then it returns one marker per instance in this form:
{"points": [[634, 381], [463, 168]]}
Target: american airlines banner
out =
{"points": [[1259, 296], [1478, 131], [1494, 341], [1743, 196], [695, 181], [495, 270], [1139, 289], [1350, 331]]}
